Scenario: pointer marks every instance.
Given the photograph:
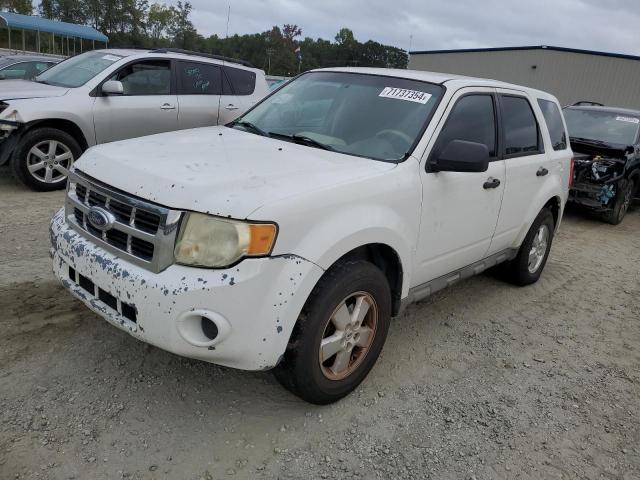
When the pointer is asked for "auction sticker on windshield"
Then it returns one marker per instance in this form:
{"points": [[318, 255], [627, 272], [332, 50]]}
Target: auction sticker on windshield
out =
{"points": [[111, 58], [404, 94], [628, 119]]}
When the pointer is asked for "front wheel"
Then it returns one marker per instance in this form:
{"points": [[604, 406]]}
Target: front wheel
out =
{"points": [[43, 157], [622, 202], [339, 335], [527, 267]]}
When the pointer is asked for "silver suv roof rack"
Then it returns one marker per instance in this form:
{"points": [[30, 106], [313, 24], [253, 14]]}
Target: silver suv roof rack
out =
{"points": [[206, 55]]}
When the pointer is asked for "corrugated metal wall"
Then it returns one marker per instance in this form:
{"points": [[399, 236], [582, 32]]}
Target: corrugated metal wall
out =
{"points": [[569, 76]]}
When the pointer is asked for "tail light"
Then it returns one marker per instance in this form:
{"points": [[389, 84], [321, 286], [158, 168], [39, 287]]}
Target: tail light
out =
{"points": [[571, 173]]}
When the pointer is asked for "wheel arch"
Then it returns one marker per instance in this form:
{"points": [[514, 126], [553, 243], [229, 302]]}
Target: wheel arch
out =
{"points": [[62, 124], [554, 204], [387, 260]]}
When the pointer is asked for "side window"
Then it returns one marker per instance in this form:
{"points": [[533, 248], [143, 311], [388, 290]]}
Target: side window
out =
{"points": [[243, 82], [42, 66], [519, 126], [472, 119], [199, 79], [15, 71], [553, 119], [146, 78]]}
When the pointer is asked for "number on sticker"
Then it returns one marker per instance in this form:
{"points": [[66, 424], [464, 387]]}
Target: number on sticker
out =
{"points": [[628, 119], [404, 94]]}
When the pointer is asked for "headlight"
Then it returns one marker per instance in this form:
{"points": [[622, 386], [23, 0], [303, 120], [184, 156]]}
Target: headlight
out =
{"points": [[207, 241]]}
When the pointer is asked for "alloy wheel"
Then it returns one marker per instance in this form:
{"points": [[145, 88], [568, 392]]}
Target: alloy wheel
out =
{"points": [[348, 336], [538, 248], [49, 161]]}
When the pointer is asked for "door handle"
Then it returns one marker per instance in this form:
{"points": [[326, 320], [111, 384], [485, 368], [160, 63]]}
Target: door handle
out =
{"points": [[167, 106], [491, 183], [541, 172], [231, 107]]}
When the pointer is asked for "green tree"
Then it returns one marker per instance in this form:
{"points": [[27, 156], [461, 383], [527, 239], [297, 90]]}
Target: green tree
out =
{"points": [[183, 32], [159, 21], [17, 6]]}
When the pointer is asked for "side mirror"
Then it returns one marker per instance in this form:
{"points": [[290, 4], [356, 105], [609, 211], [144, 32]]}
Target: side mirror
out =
{"points": [[461, 156], [112, 87]]}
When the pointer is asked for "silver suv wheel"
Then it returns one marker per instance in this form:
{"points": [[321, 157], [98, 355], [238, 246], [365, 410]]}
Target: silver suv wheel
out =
{"points": [[49, 161]]}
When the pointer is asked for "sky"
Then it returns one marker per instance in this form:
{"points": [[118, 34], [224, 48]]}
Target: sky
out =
{"points": [[603, 25]]}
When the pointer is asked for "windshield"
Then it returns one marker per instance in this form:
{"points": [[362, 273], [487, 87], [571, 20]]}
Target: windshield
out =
{"points": [[77, 71], [602, 126], [365, 115]]}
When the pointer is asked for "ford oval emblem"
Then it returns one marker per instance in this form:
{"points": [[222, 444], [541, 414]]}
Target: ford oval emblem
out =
{"points": [[99, 218]]}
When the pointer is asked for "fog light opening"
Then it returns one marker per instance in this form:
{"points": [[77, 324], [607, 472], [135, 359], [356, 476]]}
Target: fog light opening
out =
{"points": [[202, 328], [209, 329]]}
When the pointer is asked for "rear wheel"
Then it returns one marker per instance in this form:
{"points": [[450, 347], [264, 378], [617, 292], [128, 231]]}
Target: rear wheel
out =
{"points": [[339, 334], [622, 202], [43, 157], [527, 267]]}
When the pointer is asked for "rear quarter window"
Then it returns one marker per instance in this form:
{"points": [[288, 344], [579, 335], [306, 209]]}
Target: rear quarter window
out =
{"points": [[243, 82], [553, 119]]}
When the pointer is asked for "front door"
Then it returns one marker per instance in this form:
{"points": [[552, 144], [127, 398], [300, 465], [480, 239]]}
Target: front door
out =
{"points": [[460, 209], [147, 105]]}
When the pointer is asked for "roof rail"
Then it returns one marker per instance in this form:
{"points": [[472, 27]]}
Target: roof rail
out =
{"points": [[206, 55], [587, 103]]}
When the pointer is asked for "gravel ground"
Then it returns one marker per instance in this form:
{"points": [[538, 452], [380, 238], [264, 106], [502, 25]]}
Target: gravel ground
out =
{"points": [[482, 381]]}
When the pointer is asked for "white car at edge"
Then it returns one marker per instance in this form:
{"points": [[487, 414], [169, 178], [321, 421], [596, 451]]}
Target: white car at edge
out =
{"points": [[291, 238]]}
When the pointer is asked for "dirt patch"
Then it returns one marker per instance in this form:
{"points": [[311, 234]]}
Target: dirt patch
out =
{"points": [[484, 380]]}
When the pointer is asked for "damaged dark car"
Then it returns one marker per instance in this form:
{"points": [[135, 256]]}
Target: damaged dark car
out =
{"points": [[605, 142]]}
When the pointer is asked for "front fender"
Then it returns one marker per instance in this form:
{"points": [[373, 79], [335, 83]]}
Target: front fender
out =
{"points": [[322, 226], [66, 108]]}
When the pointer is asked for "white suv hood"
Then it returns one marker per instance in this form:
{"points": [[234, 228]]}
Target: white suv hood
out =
{"points": [[220, 170], [19, 89]]}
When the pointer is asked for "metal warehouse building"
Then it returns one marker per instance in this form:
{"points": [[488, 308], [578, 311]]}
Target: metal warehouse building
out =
{"points": [[571, 75]]}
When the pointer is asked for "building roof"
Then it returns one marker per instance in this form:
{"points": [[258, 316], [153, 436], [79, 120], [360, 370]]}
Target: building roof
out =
{"points": [[534, 47], [435, 77], [29, 22]]}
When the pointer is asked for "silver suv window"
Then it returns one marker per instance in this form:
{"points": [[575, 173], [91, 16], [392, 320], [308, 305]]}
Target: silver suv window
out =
{"points": [[76, 71], [199, 79], [150, 77]]}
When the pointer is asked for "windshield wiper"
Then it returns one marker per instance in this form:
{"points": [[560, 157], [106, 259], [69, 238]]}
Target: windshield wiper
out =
{"points": [[303, 140], [311, 142], [250, 126]]}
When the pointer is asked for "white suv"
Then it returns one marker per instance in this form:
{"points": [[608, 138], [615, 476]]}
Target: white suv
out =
{"points": [[106, 95], [289, 238]]}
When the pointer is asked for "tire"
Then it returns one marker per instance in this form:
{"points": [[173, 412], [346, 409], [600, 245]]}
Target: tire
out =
{"points": [[623, 199], [521, 271], [51, 176], [338, 291]]}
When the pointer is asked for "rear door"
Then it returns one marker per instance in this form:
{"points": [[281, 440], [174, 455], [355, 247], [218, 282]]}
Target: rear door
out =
{"points": [[527, 166], [199, 90], [149, 104]]}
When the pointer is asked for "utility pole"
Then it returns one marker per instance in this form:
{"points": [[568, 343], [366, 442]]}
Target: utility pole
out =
{"points": [[270, 51], [228, 17]]}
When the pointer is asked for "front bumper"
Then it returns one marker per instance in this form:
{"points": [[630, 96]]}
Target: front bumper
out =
{"points": [[255, 304]]}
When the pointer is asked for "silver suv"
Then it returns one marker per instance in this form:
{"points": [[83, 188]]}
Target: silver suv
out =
{"points": [[107, 95]]}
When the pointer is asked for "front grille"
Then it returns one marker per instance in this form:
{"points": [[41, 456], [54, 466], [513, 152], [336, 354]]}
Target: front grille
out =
{"points": [[141, 231], [127, 310]]}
